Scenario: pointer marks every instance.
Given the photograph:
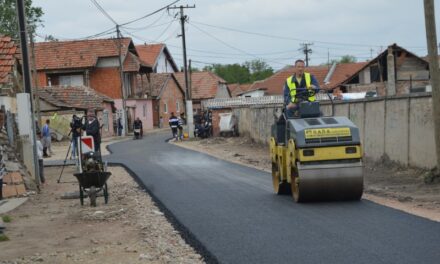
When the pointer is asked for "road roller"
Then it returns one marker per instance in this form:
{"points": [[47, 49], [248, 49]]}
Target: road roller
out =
{"points": [[316, 157]]}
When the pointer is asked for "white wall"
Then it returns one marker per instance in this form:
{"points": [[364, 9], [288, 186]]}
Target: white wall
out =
{"points": [[163, 65], [257, 93]]}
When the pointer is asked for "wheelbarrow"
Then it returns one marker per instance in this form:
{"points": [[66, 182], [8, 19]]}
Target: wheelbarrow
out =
{"points": [[91, 183]]}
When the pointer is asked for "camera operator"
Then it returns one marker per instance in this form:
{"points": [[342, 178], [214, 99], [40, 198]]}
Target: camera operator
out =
{"points": [[92, 128], [75, 130]]}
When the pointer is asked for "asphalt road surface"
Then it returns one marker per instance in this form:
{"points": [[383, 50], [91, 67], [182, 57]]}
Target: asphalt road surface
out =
{"points": [[232, 211]]}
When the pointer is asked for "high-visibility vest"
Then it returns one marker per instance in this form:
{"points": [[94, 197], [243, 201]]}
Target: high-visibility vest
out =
{"points": [[292, 87]]}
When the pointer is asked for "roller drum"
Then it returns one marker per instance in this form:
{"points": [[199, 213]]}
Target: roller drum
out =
{"points": [[324, 182]]}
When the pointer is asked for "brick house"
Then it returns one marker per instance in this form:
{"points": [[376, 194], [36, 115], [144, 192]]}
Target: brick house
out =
{"points": [[95, 64], [68, 100], [395, 71], [204, 85], [167, 96], [158, 56], [10, 72]]}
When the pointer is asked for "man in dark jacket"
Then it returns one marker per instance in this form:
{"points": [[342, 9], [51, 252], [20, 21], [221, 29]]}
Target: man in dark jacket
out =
{"points": [[174, 123], [92, 128]]}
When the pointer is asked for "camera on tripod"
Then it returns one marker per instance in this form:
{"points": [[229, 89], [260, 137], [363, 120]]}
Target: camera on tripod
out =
{"points": [[76, 122]]}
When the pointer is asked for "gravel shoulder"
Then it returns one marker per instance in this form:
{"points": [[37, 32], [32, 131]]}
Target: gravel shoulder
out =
{"points": [[384, 183], [129, 229]]}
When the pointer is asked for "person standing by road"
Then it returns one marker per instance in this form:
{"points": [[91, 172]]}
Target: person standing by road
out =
{"points": [[300, 79], [174, 123], [46, 137], [93, 128]]}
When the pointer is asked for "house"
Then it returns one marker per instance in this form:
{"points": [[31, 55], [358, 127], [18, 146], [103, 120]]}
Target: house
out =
{"points": [[61, 102], [10, 73], [395, 71], [237, 88], [167, 96], [95, 63], [158, 56], [204, 85]]}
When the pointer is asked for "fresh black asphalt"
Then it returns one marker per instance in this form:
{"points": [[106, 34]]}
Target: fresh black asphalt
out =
{"points": [[232, 211]]}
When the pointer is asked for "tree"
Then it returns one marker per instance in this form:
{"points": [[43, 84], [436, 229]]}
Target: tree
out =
{"points": [[347, 59], [259, 70], [247, 72], [9, 19]]}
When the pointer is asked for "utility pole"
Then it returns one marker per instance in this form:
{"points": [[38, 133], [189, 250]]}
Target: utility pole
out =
{"points": [[306, 51], [121, 76], [35, 77], [434, 71], [27, 83], [189, 110]]}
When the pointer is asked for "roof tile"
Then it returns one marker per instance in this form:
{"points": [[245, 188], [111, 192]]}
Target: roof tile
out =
{"points": [[8, 56], [203, 84]]}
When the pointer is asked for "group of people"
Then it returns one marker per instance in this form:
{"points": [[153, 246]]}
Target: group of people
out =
{"points": [[203, 124]]}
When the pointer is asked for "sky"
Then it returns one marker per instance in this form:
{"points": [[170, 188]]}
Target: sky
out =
{"points": [[235, 31]]}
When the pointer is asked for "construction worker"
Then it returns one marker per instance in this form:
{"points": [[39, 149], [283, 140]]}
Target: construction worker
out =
{"points": [[300, 79]]}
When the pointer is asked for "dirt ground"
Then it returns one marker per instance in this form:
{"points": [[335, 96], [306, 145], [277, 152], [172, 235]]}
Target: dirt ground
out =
{"points": [[129, 229], [384, 183]]}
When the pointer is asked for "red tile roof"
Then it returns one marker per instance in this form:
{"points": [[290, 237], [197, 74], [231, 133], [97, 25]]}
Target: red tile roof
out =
{"points": [[8, 57], [158, 81], [237, 88], [73, 97], [77, 54], [343, 71], [204, 84], [150, 53], [132, 63]]}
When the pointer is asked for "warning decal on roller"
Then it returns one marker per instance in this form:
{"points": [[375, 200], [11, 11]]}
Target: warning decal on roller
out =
{"points": [[327, 132]]}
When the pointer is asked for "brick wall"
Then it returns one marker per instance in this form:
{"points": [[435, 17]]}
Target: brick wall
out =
{"points": [[106, 81], [170, 96], [42, 79]]}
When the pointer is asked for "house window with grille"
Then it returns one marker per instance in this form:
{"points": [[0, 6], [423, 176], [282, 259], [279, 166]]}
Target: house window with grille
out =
{"points": [[177, 106], [165, 108], [71, 80], [145, 110]]}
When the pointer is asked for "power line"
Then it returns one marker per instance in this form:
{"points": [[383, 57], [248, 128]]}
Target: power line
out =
{"points": [[150, 14], [103, 11], [283, 37], [230, 46]]}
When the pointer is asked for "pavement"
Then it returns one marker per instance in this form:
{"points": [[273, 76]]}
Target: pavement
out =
{"points": [[229, 213]]}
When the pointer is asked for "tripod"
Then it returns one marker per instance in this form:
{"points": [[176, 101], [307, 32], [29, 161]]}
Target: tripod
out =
{"points": [[68, 150]]}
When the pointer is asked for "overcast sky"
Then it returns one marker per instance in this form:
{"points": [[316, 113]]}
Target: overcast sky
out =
{"points": [[275, 28]]}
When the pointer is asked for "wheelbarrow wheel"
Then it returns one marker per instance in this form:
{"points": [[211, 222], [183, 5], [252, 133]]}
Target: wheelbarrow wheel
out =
{"points": [[92, 195], [105, 193], [81, 195]]}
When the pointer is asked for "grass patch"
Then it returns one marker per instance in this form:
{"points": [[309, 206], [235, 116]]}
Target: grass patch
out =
{"points": [[6, 218], [3, 237]]}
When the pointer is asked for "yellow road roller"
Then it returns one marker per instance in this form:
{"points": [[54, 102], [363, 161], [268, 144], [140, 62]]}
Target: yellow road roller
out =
{"points": [[316, 157]]}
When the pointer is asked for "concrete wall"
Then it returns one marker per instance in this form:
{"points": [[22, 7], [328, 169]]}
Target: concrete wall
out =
{"points": [[400, 127]]}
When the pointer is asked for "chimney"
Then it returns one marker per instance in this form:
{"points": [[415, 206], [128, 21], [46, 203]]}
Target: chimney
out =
{"points": [[391, 84]]}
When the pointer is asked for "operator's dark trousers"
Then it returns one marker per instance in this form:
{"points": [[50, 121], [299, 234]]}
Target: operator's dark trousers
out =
{"points": [[1, 189]]}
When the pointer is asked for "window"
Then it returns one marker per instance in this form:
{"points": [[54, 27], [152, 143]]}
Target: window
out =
{"points": [[105, 120], [177, 106], [127, 84], [145, 110], [71, 80], [165, 108]]}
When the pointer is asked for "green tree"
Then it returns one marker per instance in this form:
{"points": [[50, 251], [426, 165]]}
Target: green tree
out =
{"points": [[259, 70], [347, 59], [231, 73], [9, 19], [247, 72]]}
